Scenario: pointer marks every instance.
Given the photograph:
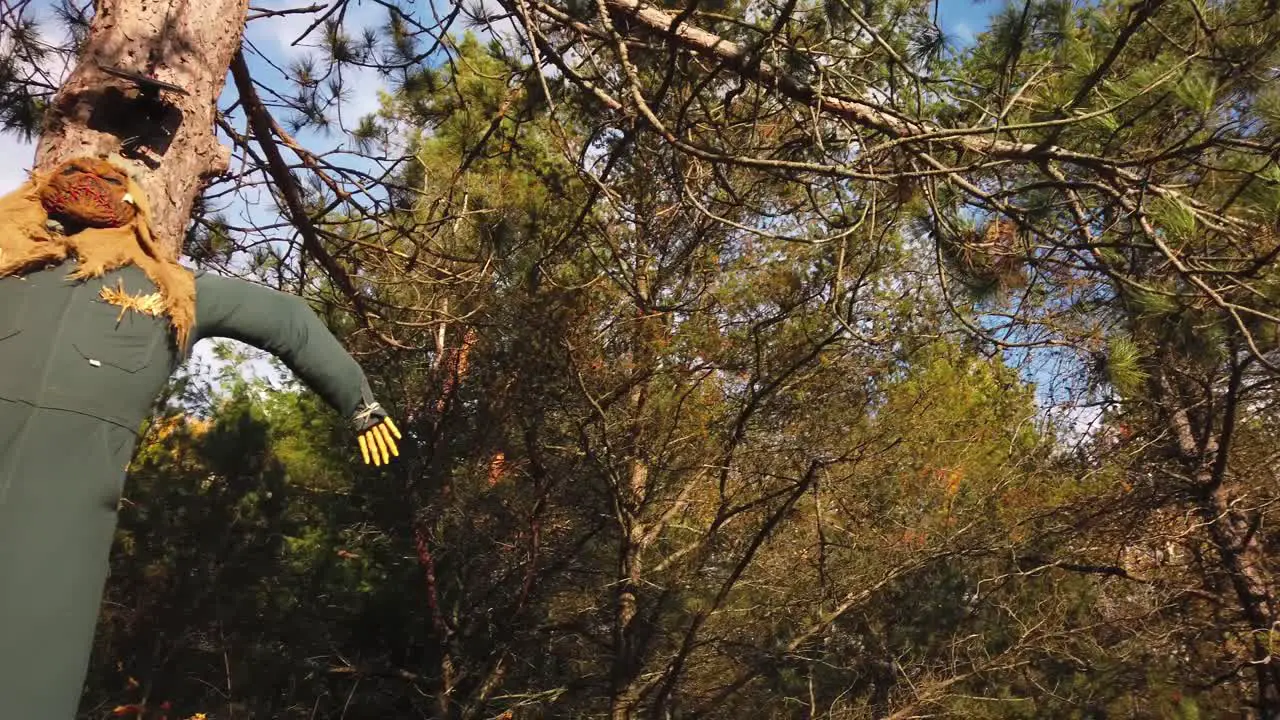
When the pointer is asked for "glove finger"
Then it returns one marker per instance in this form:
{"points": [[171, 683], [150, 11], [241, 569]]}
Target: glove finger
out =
{"points": [[391, 443], [381, 446], [395, 430], [387, 437], [364, 449]]}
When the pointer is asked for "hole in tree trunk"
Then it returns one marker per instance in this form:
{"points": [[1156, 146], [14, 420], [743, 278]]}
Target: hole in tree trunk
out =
{"points": [[145, 124]]}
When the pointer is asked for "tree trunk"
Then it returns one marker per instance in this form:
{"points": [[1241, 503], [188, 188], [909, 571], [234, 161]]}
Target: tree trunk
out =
{"points": [[171, 145], [627, 645], [1235, 538], [1232, 532], [626, 654]]}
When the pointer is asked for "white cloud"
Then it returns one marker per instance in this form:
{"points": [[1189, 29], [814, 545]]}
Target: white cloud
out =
{"points": [[257, 366], [18, 157], [364, 85], [277, 33], [494, 20]]}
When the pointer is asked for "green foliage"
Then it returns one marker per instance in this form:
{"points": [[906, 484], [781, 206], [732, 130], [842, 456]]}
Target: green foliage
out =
{"points": [[696, 430], [1197, 89], [1263, 194], [1124, 366], [1175, 218], [1157, 302]]}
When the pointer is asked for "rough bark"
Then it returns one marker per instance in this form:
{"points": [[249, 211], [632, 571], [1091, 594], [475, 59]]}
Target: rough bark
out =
{"points": [[1235, 539], [627, 651], [627, 643], [1232, 531], [185, 43], [626, 655]]}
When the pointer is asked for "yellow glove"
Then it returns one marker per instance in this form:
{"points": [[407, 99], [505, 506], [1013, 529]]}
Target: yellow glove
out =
{"points": [[377, 435]]}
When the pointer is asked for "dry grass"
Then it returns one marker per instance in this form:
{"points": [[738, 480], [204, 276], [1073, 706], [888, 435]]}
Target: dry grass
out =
{"points": [[152, 304]]}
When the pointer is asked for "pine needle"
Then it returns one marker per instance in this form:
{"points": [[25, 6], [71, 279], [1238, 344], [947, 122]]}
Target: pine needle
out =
{"points": [[1124, 366]]}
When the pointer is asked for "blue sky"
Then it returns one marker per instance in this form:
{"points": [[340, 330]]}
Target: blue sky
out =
{"points": [[962, 20], [274, 37]]}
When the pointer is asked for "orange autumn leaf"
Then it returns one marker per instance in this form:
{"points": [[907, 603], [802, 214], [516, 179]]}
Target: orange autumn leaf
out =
{"points": [[953, 482], [497, 467], [914, 539]]}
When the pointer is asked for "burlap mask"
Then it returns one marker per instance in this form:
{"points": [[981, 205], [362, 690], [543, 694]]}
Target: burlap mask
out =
{"points": [[105, 225]]}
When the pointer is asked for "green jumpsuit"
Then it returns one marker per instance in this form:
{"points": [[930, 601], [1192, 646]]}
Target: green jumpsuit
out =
{"points": [[76, 383]]}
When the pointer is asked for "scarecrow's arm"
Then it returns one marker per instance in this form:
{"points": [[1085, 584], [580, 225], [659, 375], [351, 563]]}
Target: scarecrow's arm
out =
{"points": [[284, 326]]}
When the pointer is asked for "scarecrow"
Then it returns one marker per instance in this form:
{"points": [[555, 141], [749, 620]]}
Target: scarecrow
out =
{"points": [[93, 321]]}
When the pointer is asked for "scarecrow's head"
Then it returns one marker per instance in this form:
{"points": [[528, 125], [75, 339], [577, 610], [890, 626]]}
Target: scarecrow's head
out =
{"points": [[88, 192]]}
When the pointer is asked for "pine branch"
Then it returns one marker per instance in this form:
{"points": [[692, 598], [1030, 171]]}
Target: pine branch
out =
{"points": [[261, 122], [865, 114]]}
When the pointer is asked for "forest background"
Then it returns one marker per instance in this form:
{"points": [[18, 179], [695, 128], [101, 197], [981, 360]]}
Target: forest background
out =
{"points": [[756, 359]]}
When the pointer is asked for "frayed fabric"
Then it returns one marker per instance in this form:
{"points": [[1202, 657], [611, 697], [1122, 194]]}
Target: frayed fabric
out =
{"points": [[29, 241]]}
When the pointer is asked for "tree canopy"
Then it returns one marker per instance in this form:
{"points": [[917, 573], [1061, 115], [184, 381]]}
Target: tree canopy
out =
{"points": [[769, 359]]}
